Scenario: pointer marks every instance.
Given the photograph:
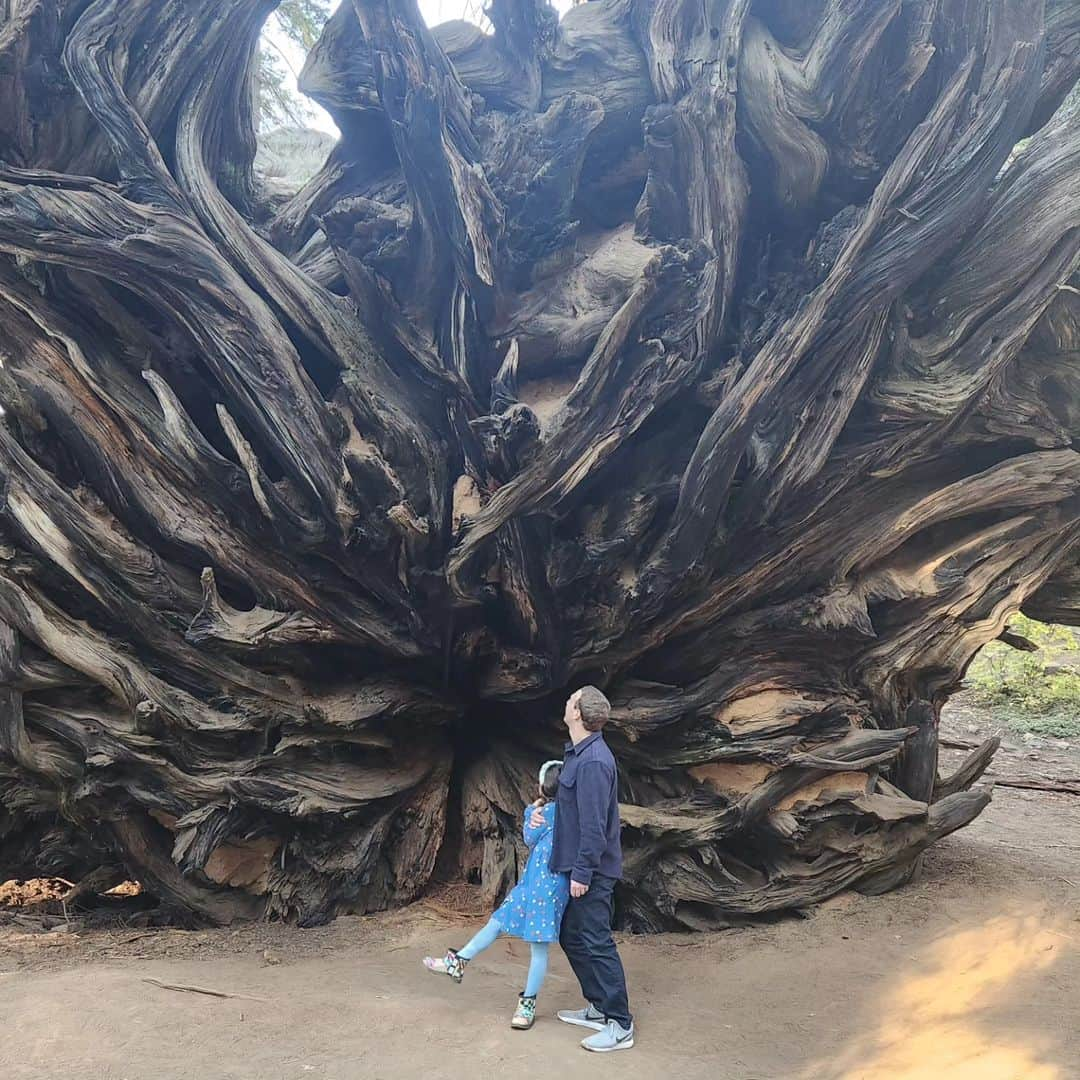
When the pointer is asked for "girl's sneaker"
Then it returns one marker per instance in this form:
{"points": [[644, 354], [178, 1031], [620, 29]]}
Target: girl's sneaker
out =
{"points": [[524, 1014], [451, 964]]}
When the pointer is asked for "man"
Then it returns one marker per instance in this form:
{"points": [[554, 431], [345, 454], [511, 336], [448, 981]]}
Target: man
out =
{"points": [[587, 847]]}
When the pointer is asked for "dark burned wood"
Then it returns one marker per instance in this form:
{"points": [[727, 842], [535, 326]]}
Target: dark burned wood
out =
{"points": [[970, 769], [917, 766], [720, 355], [915, 775], [1017, 641]]}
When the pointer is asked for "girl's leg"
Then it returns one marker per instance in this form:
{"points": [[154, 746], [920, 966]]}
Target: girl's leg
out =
{"points": [[481, 941], [538, 965], [525, 1013], [453, 963]]}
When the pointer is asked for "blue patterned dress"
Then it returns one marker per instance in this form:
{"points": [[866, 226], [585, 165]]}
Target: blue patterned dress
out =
{"points": [[533, 909]]}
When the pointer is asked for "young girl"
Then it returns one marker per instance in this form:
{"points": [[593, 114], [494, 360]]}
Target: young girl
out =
{"points": [[532, 910]]}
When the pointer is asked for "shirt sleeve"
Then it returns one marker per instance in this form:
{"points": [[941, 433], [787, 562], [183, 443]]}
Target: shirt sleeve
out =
{"points": [[532, 836], [594, 780]]}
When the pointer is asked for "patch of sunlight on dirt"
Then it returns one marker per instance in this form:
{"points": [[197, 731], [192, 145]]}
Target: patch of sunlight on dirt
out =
{"points": [[940, 1023]]}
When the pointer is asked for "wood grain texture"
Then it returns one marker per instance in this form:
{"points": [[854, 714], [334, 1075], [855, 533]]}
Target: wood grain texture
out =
{"points": [[721, 355]]}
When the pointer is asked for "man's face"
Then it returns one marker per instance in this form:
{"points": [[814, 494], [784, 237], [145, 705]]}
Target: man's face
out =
{"points": [[572, 712]]}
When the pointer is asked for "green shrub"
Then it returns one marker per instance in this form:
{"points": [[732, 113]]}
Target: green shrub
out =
{"points": [[1033, 691]]}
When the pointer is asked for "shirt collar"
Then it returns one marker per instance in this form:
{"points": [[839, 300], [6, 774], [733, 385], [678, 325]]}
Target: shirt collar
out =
{"points": [[587, 741]]}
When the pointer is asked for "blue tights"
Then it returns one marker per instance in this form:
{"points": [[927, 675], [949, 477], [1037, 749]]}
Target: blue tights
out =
{"points": [[537, 964]]}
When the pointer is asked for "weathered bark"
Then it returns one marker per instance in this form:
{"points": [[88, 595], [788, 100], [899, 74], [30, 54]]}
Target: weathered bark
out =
{"points": [[723, 356]]}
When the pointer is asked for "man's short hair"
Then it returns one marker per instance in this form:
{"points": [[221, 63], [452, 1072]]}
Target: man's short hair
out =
{"points": [[594, 707]]}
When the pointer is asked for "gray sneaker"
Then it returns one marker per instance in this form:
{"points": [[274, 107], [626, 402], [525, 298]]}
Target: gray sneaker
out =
{"points": [[613, 1036], [587, 1018]]}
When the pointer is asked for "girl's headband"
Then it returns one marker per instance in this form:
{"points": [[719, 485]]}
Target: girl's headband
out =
{"points": [[544, 769]]}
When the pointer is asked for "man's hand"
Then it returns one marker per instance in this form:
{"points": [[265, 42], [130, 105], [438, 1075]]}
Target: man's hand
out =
{"points": [[537, 819], [577, 890]]}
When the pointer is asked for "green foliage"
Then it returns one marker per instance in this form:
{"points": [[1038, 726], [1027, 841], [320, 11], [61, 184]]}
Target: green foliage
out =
{"points": [[1054, 724], [300, 23], [1033, 691], [278, 105]]}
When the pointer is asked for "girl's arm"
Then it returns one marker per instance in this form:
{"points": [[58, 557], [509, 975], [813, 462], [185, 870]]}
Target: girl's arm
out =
{"points": [[532, 836]]}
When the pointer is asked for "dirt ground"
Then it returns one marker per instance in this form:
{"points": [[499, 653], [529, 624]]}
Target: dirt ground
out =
{"points": [[970, 973]]}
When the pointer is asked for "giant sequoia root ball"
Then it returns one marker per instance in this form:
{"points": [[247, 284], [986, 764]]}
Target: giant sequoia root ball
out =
{"points": [[721, 355]]}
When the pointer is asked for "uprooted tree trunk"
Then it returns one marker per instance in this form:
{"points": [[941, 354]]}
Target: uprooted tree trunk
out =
{"points": [[721, 355]]}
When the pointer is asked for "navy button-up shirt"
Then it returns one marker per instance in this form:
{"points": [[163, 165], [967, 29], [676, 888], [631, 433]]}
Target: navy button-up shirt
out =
{"points": [[587, 816]]}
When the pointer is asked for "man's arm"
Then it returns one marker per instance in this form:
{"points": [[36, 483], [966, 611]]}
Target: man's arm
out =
{"points": [[594, 781], [536, 824]]}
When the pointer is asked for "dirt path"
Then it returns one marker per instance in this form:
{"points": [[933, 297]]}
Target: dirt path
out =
{"points": [[971, 973]]}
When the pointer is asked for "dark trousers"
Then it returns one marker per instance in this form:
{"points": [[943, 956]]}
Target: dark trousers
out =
{"points": [[586, 939]]}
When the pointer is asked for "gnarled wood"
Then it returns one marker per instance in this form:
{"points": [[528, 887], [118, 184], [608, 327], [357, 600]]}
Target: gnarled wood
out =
{"points": [[722, 356]]}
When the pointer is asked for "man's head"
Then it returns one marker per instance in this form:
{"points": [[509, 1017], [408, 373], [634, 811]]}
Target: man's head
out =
{"points": [[587, 707]]}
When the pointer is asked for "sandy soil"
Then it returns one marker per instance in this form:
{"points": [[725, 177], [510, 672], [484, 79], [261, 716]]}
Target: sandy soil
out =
{"points": [[970, 973]]}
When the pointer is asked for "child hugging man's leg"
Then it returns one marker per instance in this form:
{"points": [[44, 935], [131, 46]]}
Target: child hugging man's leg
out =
{"points": [[532, 911]]}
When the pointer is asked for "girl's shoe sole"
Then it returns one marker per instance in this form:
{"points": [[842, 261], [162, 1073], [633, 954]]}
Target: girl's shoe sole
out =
{"points": [[443, 972]]}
